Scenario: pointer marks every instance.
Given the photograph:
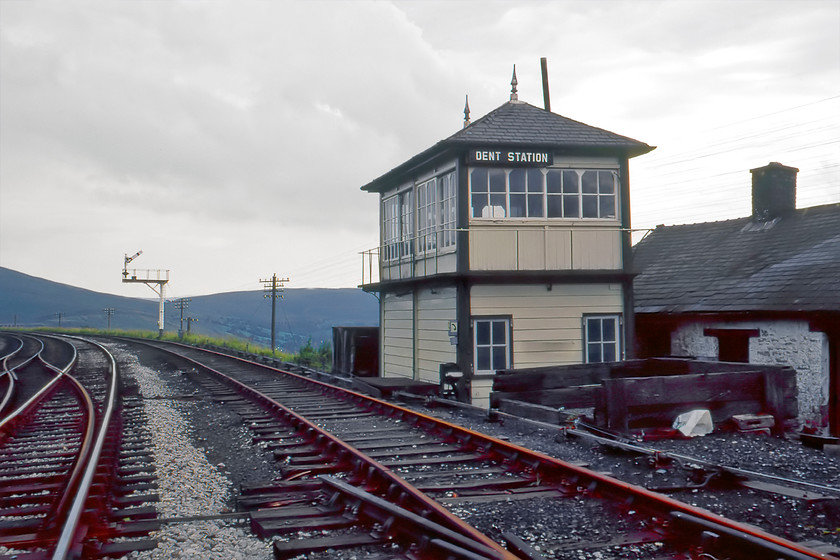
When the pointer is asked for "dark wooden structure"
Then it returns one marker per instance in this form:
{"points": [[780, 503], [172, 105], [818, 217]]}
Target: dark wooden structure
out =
{"points": [[648, 393], [356, 351]]}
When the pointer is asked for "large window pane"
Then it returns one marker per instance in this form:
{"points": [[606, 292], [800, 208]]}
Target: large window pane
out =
{"points": [[516, 180], [553, 181], [606, 182], [555, 206], [570, 182], [571, 207], [608, 330], [499, 332], [535, 181], [517, 206], [606, 206], [590, 206], [482, 332], [482, 359], [535, 205], [589, 182], [593, 329], [499, 357], [594, 353], [497, 180]]}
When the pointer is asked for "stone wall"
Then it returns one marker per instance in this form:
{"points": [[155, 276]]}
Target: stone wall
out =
{"points": [[787, 342]]}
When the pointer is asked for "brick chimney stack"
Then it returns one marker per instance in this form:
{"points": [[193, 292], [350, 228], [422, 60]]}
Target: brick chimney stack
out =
{"points": [[773, 191]]}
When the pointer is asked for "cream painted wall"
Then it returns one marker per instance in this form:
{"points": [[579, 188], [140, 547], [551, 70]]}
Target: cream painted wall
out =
{"points": [[547, 323]]}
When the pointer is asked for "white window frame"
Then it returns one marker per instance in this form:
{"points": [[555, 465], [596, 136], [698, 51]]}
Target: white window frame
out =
{"points": [[503, 323], [448, 196], [391, 228], [427, 213], [598, 204], [599, 344], [398, 226]]}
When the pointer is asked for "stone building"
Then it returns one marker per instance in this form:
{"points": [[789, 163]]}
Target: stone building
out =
{"points": [[763, 289]]}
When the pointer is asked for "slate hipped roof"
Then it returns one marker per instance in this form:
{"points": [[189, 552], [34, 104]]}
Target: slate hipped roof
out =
{"points": [[519, 124], [790, 264]]}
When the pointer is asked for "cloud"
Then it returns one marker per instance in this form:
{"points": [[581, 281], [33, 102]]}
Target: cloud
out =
{"points": [[239, 133]]}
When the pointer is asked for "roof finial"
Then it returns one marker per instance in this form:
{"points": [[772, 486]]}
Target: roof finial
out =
{"points": [[513, 83], [467, 112]]}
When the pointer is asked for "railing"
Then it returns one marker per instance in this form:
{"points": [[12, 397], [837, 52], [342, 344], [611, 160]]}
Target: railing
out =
{"points": [[145, 275], [408, 257]]}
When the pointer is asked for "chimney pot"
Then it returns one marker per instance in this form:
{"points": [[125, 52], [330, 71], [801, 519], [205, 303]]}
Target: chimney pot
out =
{"points": [[773, 191]]}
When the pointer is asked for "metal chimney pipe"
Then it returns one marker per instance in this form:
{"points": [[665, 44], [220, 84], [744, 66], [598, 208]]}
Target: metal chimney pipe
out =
{"points": [[546, 97]]}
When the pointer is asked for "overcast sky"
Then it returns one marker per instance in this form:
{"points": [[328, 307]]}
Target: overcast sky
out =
{"points": [[228, 139]]}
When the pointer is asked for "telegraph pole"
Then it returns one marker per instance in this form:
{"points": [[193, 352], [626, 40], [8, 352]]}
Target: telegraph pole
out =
{"points": [[189, 320], [271, 287], [60, 314], [108, 312], [182, 304]]}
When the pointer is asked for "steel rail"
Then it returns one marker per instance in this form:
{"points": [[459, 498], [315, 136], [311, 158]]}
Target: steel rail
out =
{"points": [[7, 423], [550, 468], [10, 389], [483, 544], [626, 445], [596, 483], [70, 534]]}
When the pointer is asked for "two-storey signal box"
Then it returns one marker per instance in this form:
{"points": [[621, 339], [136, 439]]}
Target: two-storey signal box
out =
{"points": [[505, 245]]}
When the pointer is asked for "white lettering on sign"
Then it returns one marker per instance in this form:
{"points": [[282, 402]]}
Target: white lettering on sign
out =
{"points": [[511, 157], [488, 156], [527, 157]]}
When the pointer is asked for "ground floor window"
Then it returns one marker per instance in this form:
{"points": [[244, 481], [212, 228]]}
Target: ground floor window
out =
{"points": [[602, 338], [491, 344], [733, 344]]}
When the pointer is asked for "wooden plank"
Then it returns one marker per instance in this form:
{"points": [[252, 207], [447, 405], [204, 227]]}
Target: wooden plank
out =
{"points": [[583, 396], [550, 377], [292, 512], [284, 526], [297, 547], [529, 410], [697, 388], [615, 395], [455, 458]]}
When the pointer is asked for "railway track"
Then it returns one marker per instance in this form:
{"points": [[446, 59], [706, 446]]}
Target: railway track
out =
{"points": [[71, 465], [365, 474]]}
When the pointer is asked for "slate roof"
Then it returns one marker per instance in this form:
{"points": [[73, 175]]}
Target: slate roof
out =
{"points": [[516, 124], [791, 264]]}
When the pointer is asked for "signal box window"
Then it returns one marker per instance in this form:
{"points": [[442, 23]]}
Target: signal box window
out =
{"points": [[492, 344], [543, 193], [601, 338]]}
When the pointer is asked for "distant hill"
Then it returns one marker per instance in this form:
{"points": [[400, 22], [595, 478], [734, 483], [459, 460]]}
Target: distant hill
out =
{"points": [[301, 314]]}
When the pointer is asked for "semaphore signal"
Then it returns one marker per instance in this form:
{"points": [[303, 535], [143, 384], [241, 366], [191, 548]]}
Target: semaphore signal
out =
{"points": [[151, 278]]}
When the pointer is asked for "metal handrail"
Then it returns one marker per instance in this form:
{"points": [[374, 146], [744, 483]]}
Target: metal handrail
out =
{"points": [[371, 256]]}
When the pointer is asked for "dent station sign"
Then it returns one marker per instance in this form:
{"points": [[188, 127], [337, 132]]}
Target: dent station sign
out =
{"points": [[507, 158]]}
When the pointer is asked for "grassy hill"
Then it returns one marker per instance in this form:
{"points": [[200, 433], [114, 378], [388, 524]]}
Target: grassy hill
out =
{"points": [[302, 314]]}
